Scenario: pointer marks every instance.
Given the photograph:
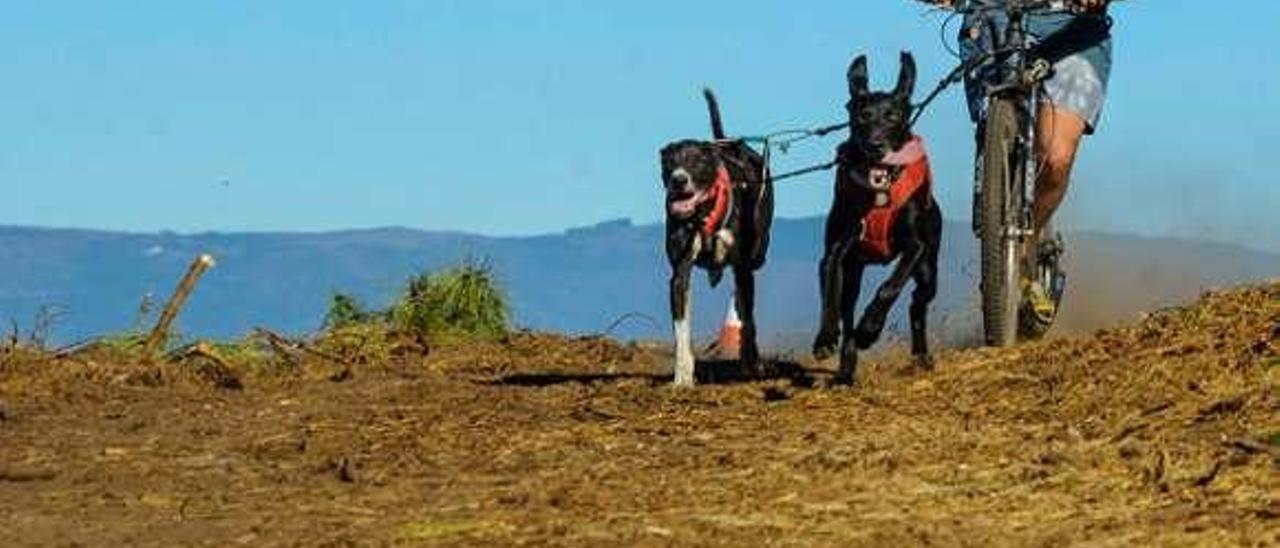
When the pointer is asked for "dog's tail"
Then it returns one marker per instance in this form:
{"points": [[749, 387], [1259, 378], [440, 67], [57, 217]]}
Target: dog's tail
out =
{"points": [[717, 125]]}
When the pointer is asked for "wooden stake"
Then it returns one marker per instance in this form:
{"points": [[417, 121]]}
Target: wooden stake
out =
{"points": [[160, 333]]}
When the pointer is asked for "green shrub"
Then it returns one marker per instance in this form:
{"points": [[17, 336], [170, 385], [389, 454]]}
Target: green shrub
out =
{"points": [[466, 300], [125, 342], [345, 311], [473, 301], [411, 314]]}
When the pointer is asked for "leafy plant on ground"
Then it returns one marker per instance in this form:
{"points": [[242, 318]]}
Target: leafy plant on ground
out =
{"points": [[463, 300], [124, 347], [345, 311], [412, 314]]}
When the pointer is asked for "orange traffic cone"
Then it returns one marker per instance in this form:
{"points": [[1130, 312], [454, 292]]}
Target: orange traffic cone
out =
{"points": [[729, 344]]}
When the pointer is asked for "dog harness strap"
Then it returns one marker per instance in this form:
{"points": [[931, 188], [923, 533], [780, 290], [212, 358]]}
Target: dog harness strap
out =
{"points": [[721, 192], [877, 238]]}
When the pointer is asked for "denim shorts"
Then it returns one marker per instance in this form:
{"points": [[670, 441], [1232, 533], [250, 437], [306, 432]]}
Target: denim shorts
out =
{"points": [[1081, 74]]}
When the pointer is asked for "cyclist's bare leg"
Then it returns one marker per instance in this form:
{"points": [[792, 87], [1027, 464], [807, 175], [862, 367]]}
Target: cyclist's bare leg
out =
{"points": [[1059, 134]]}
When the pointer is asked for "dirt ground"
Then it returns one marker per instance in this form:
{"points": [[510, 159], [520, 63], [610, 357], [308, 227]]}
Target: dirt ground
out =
{"points": [[1162, 433]]}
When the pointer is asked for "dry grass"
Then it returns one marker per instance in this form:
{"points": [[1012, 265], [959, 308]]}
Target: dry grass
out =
{"points": [[1160, 433]]}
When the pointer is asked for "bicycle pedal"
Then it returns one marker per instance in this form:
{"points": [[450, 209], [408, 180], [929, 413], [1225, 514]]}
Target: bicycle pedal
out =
{"points": [[1051, 248]]}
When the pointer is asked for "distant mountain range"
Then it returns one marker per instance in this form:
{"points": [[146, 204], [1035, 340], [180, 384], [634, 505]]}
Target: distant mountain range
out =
{"points": [[580, 281]]}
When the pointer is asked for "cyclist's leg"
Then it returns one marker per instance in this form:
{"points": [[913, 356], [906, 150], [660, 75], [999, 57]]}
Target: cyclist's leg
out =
{"points": [[1059, 133], [1072, 107], [1058, 136]]}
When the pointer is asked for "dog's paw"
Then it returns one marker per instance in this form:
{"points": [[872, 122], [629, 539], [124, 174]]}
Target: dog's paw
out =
{"points": [[825, 345], [842, 379], [682, 382], [926, 362]]}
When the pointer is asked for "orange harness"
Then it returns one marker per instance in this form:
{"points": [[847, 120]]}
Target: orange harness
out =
{"points": [[720, 196], [876, 241]]}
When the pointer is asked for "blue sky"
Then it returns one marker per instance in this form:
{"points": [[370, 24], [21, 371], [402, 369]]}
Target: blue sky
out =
{"points": [[527, 117]]}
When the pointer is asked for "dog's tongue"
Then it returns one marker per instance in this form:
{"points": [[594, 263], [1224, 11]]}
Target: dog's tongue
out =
{"points": [[910, 153], [685, 207]]}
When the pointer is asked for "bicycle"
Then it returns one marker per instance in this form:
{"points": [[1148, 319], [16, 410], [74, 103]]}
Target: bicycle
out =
{"points": [[1006, 168]]}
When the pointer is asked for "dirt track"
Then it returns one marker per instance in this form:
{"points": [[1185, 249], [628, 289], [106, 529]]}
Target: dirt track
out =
{"points": [[1167, 432]]}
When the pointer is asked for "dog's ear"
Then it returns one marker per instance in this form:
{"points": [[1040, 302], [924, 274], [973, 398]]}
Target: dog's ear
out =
{"points": [[906, 77], [858, 77]]}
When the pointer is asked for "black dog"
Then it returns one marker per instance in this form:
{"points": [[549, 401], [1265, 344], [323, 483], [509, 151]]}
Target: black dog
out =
{"points": [[719, 210], [883, 210]]}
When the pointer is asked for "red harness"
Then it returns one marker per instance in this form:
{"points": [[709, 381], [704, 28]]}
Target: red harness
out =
{"points": [[877, 226], [720, 192]]}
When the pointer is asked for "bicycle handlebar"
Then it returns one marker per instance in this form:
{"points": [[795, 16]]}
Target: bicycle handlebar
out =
{"points": [[1019, 6], [1025, 6]]}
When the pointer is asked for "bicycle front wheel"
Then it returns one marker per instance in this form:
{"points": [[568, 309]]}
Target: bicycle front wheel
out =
{"points": [[1001, 204]]}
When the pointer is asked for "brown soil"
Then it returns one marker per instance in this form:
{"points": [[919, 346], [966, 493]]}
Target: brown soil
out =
{"points": [[1165, 432]]}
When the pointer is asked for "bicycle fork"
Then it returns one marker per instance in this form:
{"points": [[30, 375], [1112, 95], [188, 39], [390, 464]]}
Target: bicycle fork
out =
{"points": [[1028, 175], [1018, 216]]}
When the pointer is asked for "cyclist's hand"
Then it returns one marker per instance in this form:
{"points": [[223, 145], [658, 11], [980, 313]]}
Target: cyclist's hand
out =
{"points": [[1093, 6]]}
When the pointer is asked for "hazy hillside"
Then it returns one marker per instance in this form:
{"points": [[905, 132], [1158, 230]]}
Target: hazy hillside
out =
{"points": [[579, 281]]}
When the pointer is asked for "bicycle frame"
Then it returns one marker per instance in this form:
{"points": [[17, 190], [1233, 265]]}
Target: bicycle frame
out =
{"points": [[1010, 74], [1018, 78]]}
